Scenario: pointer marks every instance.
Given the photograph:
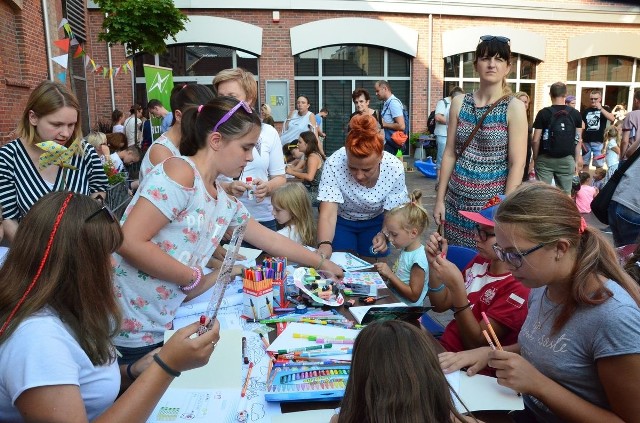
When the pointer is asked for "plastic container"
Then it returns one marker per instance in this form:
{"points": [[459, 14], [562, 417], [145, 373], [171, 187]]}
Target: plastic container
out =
{"points": [[250, 194]]}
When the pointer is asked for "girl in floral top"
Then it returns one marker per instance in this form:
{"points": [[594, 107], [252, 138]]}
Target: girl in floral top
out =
{"points": [[177, 219]]}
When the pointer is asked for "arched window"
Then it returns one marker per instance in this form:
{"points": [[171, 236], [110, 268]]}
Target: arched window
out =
{"points": [[459, 71], [197, 63], [329, 75], [615, 76]]}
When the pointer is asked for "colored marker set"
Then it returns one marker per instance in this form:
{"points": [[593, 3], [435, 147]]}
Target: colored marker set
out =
{"points": [[278, 267], [257, 291], [307, 383]]}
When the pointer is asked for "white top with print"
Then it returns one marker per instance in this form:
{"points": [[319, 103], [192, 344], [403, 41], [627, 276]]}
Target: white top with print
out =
{"points": [[357, 202], [197, 223], [146, 166]]}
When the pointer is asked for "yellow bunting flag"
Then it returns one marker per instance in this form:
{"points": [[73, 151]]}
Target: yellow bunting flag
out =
{"points": [[56, 154]]}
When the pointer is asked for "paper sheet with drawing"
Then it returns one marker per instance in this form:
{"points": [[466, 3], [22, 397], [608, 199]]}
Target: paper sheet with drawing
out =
{"points": [[286, 340], [349, 263]]}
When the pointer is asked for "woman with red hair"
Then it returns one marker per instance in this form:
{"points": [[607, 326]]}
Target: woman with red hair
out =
{"points": [[359, 183]]}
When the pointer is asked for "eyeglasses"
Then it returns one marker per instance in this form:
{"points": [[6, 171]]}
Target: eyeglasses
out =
{"points": [[513, 258], [495, 37], [230, 113], [107, 213], [482, 234]]}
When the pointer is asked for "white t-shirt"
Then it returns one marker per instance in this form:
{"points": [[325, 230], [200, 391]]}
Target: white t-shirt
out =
{"points": [[118, 128], [146, 166], [442, 108], [42, 352], [117, 161], [292, 233], [130, 130], [268, 161], [357, 202]]}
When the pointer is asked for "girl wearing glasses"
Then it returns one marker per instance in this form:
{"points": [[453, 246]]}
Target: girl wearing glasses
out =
{"points": [[58, 315], [578, 354], [177, 219], [486, 285], [479, 165]]}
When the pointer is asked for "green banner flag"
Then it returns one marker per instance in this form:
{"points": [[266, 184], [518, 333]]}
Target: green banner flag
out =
{"points": [[159, 85]]}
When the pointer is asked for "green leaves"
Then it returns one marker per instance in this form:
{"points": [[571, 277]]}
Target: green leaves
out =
{"points": [[143, 25]]}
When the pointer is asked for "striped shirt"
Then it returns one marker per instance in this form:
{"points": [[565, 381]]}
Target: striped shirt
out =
{"points": [[21, 185]]}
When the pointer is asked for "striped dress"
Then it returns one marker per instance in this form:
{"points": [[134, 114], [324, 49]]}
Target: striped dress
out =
{"points": [[480, 172], [21, 184]]}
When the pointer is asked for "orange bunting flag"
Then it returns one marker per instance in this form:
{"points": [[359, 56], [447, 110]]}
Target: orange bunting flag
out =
{"points": [[79, 52], [63, 44]]}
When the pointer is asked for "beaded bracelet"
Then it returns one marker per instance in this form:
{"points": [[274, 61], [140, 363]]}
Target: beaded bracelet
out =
{"points": [[438, 289], [457, 310], [129, 374], [165, 367], [329, 243], [196, 280]]}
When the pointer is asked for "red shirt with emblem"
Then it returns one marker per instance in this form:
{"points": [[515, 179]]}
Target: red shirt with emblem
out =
{"points": [[501, 297]]}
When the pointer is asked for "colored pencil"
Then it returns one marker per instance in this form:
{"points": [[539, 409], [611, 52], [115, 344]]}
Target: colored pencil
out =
{"points": [[493, 334]]}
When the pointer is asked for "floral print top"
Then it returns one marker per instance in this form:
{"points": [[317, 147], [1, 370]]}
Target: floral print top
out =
{"points": [[196, 225]]}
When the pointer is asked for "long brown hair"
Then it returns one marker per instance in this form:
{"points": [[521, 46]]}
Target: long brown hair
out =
{"points": [[48, 97], [544, 214], [396, 377], [312, 144], [76, 279]]}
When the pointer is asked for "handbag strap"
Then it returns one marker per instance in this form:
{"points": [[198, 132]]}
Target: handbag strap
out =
{"points": [[479, 124]]}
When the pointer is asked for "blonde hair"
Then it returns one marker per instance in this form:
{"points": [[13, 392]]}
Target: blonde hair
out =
{"points": [[521, 94], [96, 139], [544, 214], [412, 214], [245, 78], [266, 108], [294, 198], [47, 98]]}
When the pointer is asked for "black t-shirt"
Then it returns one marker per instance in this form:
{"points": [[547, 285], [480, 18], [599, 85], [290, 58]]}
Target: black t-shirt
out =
{"points": [[594, 125], [543, 118]]}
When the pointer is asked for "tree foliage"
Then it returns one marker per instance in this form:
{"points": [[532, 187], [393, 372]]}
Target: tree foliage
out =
{"points": [[143, 25]]}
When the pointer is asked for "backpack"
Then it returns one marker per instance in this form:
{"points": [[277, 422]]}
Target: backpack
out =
{"points": [[559, 139], [431, 122]]}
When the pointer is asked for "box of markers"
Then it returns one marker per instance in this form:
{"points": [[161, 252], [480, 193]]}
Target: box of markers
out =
{"points": [[257, 294], [306, 382], [278, 268]]}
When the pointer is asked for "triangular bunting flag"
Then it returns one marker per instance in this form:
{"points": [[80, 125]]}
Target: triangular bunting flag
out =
{"points": [[63, 44], [74, 42], [79, 52], [87, 61], [104, 72], [67, 28], [115, 73], [63, 22], [62, 76], [62, 60], [110, 73], [124, 69], [93, 64]]}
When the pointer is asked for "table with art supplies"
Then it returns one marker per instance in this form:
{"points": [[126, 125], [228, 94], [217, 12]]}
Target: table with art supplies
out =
{"points": [[285, 346]]}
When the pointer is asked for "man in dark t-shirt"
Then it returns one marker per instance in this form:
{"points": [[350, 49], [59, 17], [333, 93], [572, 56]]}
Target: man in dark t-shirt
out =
{"points": [[595, 119], [548, 167]]}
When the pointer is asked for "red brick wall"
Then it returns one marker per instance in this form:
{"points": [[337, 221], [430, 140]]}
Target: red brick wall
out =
{"points": [[23, 60]]}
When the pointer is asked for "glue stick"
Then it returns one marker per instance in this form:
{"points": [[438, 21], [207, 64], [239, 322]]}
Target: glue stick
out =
{"points": [[250, 193]]}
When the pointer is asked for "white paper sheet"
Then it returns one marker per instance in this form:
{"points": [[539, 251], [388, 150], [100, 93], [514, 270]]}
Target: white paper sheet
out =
{"points": [[311, 416], [481, 392], [349, 263], [286, 340], [249, 253]]}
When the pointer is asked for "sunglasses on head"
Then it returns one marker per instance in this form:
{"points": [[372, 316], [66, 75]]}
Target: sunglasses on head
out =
{"points": [[495, 37], [230, 113], [106, 211]]}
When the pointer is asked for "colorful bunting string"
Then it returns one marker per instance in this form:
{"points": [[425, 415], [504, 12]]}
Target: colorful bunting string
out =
{"points": [[65, 45]]}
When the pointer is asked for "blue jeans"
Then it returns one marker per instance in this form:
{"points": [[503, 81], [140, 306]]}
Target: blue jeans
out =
{"points": [[625, 224], [357, 235], [595, 150]]}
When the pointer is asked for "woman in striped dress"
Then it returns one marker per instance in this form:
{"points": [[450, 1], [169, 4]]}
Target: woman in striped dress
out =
{"points": [[52, 114], [493, 161]]}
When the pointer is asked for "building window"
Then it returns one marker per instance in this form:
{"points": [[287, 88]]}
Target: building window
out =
{"points": [[615, 76], [193, 64], [328, 76], [459, 71]]}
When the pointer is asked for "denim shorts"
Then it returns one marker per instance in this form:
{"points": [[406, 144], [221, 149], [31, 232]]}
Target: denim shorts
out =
{"points": [[595, 149]]}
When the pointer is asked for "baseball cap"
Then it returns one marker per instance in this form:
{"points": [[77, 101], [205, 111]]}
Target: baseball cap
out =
{"points": [[486, 215]]}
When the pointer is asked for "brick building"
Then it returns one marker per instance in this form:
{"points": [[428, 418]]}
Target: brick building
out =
{"points": [[326, 49]]}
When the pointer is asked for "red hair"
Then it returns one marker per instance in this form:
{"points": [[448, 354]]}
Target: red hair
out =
{"points": [[364, 138]]}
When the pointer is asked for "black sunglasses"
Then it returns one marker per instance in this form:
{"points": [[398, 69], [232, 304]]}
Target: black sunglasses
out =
{"points": [[482, 234], [495, 37], [103, 210]]}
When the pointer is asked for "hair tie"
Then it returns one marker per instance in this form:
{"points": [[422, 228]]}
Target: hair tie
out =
{"points": [[583, 225], [200, 108], [184, 86]]}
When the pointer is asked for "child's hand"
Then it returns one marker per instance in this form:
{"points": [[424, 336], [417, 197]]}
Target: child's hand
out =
{"points": [[261, 189], [379, 243], [448, 273], [238, 188], [237, 271], [383, 269], [435, 246]]}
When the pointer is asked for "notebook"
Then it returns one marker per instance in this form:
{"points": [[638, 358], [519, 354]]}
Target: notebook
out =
{"points": [[395, 311]]}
